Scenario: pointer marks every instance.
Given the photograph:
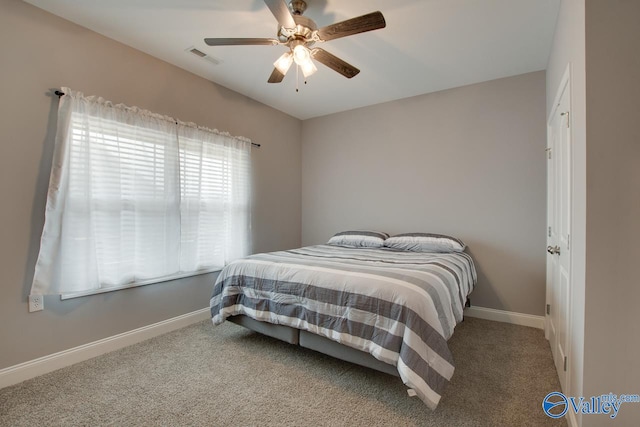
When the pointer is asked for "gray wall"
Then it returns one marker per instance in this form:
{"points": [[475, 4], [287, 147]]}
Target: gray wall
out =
{"points": [[41, 52], [612, 341], [469, 162]]}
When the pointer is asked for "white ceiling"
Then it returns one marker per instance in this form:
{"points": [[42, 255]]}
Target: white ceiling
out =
{"points": [[427, 46]]}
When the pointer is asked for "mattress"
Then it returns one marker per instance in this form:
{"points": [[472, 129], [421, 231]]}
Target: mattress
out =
{"points": [[401, 307]]}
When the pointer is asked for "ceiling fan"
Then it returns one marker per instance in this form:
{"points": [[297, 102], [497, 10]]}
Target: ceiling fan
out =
{"points": [[299, 33]]}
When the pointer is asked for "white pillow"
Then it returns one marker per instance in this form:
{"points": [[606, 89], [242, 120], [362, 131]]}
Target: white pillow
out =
{"points": [[359, 239], [425, 242]]}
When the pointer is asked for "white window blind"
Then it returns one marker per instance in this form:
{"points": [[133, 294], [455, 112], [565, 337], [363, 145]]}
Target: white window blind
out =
{"points": [[135, 196]]}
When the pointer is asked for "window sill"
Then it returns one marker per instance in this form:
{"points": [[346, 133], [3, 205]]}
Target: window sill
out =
{"points": [[137, 284]]}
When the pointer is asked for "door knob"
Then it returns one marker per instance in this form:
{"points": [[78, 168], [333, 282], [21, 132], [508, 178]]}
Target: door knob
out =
{"points": [[553, 250]]}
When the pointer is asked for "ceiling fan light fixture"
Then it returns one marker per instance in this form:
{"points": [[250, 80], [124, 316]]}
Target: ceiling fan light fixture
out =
{"points": [[284, 62], [302, 57], [308, 68], [301, 54]]}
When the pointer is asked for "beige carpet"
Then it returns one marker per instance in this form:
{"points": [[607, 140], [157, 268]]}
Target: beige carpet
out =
{"points": [[228, 376]]}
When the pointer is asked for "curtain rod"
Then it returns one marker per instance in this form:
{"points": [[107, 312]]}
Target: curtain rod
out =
{"points": [[60, 93]]}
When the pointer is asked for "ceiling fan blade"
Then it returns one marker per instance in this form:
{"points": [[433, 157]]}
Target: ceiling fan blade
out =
{"points": [[361, 24], [334, 62], [281, 12], [276, 76], [236, 42]]}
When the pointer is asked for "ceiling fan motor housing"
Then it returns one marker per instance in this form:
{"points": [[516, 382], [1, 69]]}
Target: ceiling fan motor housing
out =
{"points": [[303, 31]]}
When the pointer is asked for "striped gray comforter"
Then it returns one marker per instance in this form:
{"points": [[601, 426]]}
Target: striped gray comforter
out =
{"points": [[401, 307]]}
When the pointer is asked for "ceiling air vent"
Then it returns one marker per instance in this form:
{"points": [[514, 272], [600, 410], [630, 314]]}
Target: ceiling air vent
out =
{"points": [[203, 55], [195, 51]]}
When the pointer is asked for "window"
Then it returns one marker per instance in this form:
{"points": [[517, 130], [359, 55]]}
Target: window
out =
{"points": [[135, 197]]}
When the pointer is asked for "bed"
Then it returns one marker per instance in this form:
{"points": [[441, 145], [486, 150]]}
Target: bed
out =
{"points": [[391, 310]]}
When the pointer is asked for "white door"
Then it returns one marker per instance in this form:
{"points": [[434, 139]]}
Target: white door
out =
{"points": [[559, 231]]}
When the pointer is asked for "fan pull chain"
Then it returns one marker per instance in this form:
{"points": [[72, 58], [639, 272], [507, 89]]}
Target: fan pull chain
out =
{"points": [[298, 77]]}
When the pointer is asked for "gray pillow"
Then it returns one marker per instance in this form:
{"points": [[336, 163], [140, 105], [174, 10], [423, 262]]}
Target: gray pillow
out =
{"points": [[425, 242], [359, 239]]}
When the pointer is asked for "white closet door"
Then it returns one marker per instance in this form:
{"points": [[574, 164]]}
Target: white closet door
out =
{"points": [[559, 231]]}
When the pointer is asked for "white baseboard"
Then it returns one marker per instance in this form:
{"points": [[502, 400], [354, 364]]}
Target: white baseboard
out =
{"points": [[505, 316], [42, 365]]}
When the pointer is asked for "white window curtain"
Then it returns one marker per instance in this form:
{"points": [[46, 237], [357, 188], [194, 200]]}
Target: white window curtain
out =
{"points": [[135, 196]]}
